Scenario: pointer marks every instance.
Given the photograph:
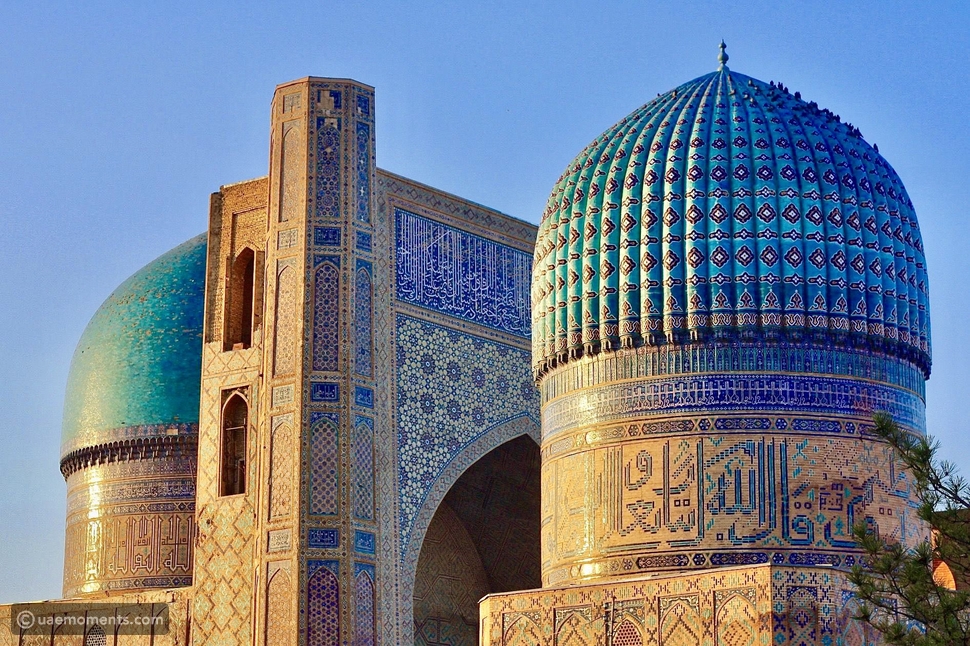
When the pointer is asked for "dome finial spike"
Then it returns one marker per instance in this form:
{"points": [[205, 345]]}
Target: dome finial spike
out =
{"points": [[723, 57]]}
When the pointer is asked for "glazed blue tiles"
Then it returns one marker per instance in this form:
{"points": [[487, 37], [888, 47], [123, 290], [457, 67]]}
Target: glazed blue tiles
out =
{"points": [[452, 389], [139, 361], [462, 275], [326, 236], [729, 206], [323, 538], [328, 166]]}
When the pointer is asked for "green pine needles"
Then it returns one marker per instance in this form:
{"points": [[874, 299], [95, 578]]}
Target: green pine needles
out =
{"points": [[895, 585]]}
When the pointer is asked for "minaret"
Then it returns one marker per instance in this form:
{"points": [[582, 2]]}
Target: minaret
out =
{"points": [[303, 558]]}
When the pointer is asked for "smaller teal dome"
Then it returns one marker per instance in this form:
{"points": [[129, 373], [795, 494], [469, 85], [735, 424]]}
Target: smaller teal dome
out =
{"points": [[137, 368]]}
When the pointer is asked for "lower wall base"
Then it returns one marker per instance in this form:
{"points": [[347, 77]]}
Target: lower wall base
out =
{"points": [[179, 609], [739, 606]]}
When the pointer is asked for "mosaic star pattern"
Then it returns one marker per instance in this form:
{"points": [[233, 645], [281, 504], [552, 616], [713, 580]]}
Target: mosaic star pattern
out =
{"points": [[363, 320], [363, 453], [328, 166], [326, 308], [452, 387], [324, 485], [323, 604]]}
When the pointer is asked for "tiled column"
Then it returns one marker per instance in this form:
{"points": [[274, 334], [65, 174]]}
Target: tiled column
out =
{"points": [[317, 551]]}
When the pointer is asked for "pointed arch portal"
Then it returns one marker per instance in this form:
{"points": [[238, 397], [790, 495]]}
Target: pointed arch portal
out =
{"points": [[483, 538]]}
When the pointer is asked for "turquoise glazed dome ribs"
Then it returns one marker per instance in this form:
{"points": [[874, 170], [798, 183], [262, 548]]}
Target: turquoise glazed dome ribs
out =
{"points": [[727, 285], [729, 208]]}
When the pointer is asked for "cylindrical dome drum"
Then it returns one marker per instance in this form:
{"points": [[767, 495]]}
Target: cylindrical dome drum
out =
{"points": [[130, 432], [727, 284]]}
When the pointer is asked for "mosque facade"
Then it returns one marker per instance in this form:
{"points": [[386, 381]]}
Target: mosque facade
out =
{"points": [[358, 405]]}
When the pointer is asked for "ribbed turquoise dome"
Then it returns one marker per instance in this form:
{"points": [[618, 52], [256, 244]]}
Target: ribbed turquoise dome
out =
{"points": [[729, 208], [137, 368]]}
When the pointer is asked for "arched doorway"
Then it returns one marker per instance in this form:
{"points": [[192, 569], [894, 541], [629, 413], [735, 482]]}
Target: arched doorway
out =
{"points": [[483, 538]]}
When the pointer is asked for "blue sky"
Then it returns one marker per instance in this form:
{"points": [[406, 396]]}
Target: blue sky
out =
{"points": [[119, 119]]}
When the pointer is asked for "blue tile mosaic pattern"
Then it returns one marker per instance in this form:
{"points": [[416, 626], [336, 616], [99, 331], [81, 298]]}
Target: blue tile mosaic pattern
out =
{"points": [[328, 165], [363, 319], [452, 388], [729, 205], [363, 460], [323, 602], [363, 172], [719, 393], [364, 542], [139, 361], [326, 236], [324, 477], [319, 538], [462, 275], [326, 309]]}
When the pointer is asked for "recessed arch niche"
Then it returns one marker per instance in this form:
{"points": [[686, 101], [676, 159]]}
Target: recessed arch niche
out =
{"points": [[483, 538]]}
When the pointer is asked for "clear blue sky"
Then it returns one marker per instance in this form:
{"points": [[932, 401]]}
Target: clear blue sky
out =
{"points": [[119, 119]]}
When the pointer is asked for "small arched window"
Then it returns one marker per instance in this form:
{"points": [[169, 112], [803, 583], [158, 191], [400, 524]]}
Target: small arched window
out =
{"points": [[96, 637], [235, 422], [239, 301]]}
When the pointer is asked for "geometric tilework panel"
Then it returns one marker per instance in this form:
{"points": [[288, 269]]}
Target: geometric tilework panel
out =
{"points": [[363, 320], [363, 455], [281, 471], [328, 168], [364, 620], [323, 463], [279, 604], [326, 304], [736, 619], [756, 605], [462, 275], [522, 629], [222, 603], [749, 606], [452, 387], [323, 608], [680, 621], [290, 179], [284, 326], [574, 626], [363, 172], [802, 616]]}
